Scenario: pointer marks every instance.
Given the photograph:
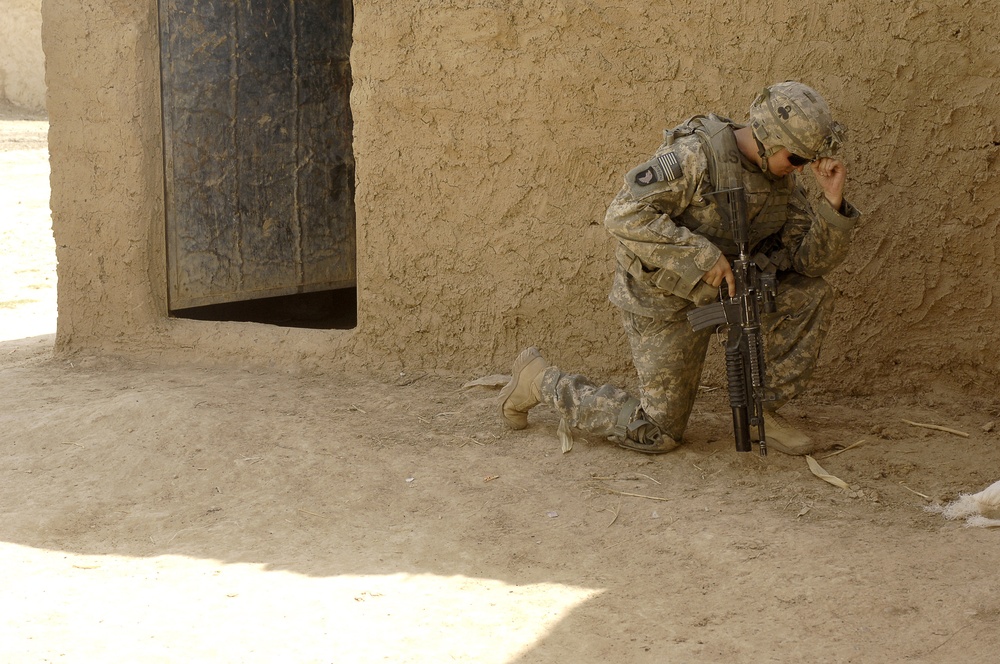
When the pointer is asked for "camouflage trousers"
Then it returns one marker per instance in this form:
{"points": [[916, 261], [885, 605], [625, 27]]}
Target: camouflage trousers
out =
{"points": [[669, 358]]}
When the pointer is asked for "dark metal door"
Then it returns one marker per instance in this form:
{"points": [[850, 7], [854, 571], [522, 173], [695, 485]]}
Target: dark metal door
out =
{"points": [[257, 141]]}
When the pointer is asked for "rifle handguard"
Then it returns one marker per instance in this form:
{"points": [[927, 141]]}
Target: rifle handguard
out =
{"points": [[756, 287]]}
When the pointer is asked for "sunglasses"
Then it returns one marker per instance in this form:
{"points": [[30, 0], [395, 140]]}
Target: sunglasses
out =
{"points": [[796, 161]]}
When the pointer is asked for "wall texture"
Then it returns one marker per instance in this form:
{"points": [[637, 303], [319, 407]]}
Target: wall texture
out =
{"points": [[490, 136], [22, 62]]}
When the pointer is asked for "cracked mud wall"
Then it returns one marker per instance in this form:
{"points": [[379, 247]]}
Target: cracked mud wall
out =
{"points": [[489, 137], [106, 169]]}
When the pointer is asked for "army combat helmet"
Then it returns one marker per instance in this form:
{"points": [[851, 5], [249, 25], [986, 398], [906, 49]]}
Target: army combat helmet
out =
{"points": [[794, 116]]}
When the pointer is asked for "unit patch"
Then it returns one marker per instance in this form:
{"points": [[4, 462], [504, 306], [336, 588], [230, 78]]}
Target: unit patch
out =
{"points": [[664, 168], [646, 177]]}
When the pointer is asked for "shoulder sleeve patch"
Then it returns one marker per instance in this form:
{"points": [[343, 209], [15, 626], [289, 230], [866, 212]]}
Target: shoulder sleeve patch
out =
{"points": [[662, 168]]}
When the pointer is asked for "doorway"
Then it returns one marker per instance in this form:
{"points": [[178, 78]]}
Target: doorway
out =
{"points": [[259, 166]]}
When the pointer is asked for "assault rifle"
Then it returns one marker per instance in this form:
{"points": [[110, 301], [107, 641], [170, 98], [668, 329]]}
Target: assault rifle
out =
{"points": [[755, 292]]}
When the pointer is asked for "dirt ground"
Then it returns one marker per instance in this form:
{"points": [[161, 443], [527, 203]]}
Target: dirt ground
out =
{"points": [[194, 514]]}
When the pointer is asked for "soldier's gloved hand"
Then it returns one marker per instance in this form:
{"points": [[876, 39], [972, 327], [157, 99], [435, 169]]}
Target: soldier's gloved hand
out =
{"points": [[721, 270]]}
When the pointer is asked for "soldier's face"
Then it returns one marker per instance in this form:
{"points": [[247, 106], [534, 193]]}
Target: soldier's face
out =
{"points": [[779, 163]]}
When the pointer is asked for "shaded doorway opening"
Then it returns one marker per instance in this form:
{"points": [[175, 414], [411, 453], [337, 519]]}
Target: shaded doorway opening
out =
{"points": [[322, 310], [258, 161]]}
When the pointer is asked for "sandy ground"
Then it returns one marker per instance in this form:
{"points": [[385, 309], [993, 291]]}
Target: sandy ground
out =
{"points": [[185, 514]]}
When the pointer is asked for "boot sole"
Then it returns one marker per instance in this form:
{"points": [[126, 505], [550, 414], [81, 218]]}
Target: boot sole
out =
{"points": [[647, 450]]}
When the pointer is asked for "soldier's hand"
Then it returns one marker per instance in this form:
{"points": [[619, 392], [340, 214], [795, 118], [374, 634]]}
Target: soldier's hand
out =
{"points": [[831, 174], [721, 270]]}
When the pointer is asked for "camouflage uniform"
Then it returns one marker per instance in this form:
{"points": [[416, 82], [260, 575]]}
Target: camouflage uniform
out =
{"points": [[669, 233]]}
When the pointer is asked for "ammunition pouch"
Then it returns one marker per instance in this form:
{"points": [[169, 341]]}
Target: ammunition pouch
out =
{"points": [[664, 279]]}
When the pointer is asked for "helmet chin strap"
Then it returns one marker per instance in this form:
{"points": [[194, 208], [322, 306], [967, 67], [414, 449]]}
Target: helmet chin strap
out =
{"points": [[764, 153]]}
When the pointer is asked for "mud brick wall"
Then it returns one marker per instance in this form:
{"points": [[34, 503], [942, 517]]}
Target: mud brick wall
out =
{"points": [[490, 136]]}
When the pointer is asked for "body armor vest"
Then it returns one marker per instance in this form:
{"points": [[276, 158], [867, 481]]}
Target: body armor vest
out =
{"points": [[767, 209]]}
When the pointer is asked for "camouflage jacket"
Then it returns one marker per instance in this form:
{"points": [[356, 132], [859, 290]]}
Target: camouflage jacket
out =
{"points": [[669, 232]]}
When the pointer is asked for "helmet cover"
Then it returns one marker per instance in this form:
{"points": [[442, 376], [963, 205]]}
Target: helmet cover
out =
{"points": [[794, 116]]}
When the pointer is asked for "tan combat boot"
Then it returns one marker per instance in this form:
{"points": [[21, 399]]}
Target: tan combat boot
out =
{"points": [[523, 392], [784, 437]]}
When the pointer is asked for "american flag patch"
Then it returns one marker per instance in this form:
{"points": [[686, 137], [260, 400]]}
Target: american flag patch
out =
{"points": [[670, 165]]}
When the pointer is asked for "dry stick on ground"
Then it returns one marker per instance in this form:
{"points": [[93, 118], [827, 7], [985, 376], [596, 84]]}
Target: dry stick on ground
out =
{"points": [[937, 428], [634, 495], [950, 636], [616, 512], [916, 492], [626, 478], [648, 478], [849, 447], [311, 513]]}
